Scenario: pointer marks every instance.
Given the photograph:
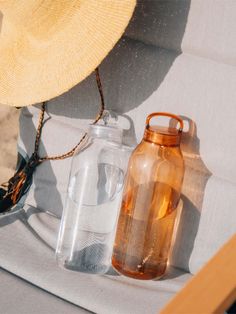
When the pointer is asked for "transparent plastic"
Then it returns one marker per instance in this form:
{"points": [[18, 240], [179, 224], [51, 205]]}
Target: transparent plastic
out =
{"points": [[150, 198], [94, 196]]}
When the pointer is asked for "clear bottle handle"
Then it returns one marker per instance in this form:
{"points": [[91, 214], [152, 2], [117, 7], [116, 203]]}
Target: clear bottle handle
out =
{"points": [[165, 114]]}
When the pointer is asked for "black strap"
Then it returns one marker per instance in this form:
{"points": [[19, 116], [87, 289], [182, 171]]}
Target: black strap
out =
{"points": [[15, 190]]}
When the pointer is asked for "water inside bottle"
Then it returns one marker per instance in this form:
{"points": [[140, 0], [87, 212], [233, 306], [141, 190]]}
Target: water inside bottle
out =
{"points": [[95, 195], [145, 229]]}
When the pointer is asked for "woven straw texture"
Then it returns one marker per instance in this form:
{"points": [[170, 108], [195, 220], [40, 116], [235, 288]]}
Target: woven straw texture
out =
{"points": [[49, 46]]}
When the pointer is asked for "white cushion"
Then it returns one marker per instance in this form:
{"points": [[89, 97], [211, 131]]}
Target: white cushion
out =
{"points": [[19, 296], [194, 87], [25, 254]]}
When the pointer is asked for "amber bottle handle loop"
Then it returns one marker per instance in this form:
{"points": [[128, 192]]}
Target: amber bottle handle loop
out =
{"points": [[165, 114]]}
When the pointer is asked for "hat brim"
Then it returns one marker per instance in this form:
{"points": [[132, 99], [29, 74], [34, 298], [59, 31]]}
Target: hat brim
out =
{"points": [[38, 68]]}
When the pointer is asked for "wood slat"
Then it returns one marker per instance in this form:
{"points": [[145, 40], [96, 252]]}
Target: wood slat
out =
{"points": [[213, 289]]}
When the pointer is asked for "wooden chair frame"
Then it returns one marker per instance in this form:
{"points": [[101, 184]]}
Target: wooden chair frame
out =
{"points": [[212, 290]]}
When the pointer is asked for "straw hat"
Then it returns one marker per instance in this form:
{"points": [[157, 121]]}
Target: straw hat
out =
{"points": [[48, 46]]}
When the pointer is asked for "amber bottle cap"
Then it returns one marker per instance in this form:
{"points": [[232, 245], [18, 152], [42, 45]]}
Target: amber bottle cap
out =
{"points": [[165, 136]]}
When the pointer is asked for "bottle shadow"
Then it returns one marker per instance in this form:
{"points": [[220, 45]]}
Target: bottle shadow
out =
{"points": [[195, 180]]}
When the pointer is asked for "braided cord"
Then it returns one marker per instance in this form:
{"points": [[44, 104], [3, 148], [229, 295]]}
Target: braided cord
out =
{"points": [[39, 130], [72, 151], [102, 105]]}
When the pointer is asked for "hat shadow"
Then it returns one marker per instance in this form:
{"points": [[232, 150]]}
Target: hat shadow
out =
{"points": [[132, 71], [137, 65]]}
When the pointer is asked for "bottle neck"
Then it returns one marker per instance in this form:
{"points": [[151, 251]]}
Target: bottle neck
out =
{"points": [[162, 138], [109, 133]]}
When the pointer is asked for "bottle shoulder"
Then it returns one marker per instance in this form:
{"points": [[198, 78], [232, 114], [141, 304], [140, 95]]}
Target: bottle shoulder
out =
{"points": [[146, 157], [154, 151]]}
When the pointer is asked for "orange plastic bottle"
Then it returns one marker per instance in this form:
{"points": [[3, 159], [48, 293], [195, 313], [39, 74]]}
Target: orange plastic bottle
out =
{"points": [[150, 198]]}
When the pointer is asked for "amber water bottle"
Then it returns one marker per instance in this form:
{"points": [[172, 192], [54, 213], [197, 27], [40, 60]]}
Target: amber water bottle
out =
{"points": [[149, 205]]}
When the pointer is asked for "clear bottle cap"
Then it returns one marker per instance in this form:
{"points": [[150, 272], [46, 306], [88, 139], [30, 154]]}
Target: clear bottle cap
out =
{"points": [[109, 130], [110, 133]]}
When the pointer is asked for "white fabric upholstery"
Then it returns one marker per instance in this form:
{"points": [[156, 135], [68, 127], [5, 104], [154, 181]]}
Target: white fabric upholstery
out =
{"points": [[208, 26], [146, 72], [23, 253], [196, 88], [20, 297]]}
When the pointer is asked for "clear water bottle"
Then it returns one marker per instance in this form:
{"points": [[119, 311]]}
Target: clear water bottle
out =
{"points": [[89, 219]]}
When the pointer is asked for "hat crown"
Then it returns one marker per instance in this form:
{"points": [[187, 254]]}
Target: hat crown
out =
{"points": [[17, 10], [49, 46], [20, 13]]}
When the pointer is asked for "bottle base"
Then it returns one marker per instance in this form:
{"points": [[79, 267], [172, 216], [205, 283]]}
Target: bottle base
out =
{"points": [[88, 269], [82, 262], [154, 272]]}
